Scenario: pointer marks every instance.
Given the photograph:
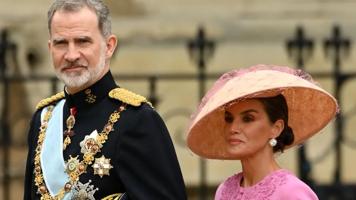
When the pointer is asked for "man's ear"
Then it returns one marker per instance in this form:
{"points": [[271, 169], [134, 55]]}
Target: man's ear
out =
{"points": [[49, 45], [111, 44], [277, 128]]}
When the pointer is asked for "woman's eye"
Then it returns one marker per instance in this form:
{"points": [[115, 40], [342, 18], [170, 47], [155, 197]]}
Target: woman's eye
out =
{"points": [[247, 118], [228, 118]]}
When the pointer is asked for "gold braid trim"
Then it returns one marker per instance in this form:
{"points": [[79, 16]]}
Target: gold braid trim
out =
{"points": [[128, 97], [116, 196], [47, 101]]}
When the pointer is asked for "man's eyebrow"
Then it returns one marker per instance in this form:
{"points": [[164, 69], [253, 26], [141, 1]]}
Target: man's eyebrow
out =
{"points": [[83, 38], [58, 40]]}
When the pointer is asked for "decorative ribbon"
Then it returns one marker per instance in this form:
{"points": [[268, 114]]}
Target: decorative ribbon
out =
{"points": [[52, 161]]}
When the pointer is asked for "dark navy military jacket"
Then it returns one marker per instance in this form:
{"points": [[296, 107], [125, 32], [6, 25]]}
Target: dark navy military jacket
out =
{"points": [[145, 165]]}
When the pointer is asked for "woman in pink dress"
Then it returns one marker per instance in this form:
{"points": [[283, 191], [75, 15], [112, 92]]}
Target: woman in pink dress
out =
{"points": [[251, 114]]}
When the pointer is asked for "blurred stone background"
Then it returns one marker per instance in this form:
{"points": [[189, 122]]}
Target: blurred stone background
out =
{"points": [[153, 37]]}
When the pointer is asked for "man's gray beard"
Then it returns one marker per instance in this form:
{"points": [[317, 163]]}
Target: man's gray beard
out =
{"points": [[74, 80], [79, 79]]}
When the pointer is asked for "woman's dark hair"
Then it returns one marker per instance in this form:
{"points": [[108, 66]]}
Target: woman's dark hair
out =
{"points": [[277, 108]]}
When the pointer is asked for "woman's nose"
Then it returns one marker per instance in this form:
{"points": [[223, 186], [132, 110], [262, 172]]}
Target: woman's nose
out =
{"points": [[235, 128]]}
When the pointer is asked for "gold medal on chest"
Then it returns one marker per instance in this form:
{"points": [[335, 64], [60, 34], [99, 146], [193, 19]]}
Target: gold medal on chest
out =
{"points": [[72, 164], [90, 143], [102, 166]]}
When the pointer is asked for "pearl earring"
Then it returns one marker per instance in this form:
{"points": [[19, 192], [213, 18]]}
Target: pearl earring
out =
{"points": [[272, 142]]}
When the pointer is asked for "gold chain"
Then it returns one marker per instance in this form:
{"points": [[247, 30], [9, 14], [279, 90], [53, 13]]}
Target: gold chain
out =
{"points": [[88, 156], [70, 124]]}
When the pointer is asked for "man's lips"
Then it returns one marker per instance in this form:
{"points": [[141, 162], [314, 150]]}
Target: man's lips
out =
{"points": [[72, 68]]}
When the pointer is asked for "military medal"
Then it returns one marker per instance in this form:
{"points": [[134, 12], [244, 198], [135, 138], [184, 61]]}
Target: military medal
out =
{"points": [[90, 143], [72, 164], [83, 191], [70, 124], [102, 166]]}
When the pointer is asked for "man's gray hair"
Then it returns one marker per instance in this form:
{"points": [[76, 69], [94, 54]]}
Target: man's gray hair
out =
{"points": [[101, 10]]}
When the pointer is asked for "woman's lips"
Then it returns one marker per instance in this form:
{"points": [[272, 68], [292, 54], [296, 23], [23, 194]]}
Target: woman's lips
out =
{"points": [[234, 141]]}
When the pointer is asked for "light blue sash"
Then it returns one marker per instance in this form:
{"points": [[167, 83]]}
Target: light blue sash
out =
{"points": [[52, 161]]}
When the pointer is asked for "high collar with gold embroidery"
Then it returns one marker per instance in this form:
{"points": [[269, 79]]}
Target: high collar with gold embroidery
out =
{"points": [[93, 94]]}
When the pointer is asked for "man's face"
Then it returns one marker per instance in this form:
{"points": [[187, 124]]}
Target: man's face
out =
{"points": [[79, 51]]}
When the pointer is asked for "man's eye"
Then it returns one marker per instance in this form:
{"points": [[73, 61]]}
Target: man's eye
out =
{"points": [[59, 43], [83, 41]]}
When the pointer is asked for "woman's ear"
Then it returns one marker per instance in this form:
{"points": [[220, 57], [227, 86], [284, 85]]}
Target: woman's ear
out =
{"points": [[277, 128]]}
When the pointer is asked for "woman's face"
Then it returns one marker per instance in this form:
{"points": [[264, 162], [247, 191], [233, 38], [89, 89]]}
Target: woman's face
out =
{"points": [[248, 128]]}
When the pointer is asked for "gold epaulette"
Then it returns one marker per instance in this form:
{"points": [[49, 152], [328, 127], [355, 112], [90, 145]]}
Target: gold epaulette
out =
{"points": [[47, 101], [128, 97]]}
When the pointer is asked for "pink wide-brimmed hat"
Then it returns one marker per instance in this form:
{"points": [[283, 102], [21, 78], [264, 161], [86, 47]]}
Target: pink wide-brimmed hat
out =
{"points": [[310, 108]]}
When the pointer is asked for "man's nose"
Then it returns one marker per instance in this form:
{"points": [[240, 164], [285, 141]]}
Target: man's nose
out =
{"points": [[72, 53]]}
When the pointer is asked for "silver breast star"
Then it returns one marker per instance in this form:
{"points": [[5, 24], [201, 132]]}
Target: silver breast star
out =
{"points": [[83, 191], [102, 166]]}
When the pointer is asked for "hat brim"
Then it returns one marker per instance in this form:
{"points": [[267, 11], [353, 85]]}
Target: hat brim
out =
{"points": [[310, 109]]}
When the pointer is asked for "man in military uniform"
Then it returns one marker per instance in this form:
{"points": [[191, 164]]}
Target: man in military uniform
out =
{"points": [[95, 140]]}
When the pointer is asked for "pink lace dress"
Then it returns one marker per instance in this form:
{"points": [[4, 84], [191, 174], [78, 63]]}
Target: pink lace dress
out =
{"points": [[279, 185]]}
